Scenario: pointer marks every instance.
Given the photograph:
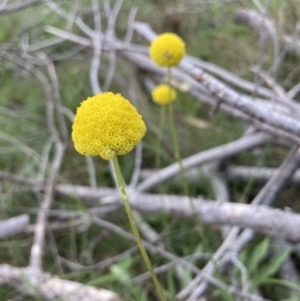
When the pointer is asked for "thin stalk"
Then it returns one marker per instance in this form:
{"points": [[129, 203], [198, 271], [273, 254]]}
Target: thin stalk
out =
{"points": [[161, 125], [175, 139], [134, 228], [179, 161]]}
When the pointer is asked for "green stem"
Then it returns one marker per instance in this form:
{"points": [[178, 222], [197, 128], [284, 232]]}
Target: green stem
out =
{"points": [[159, 136], [176, 147], [134, 228], [179, 161], [174, 137]]}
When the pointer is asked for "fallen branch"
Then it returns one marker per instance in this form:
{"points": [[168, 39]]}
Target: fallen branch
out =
{"points": [[259, 218], [255, 21], [50, 287], [14, 226], [15, 7], [258, 174], [268, 194], [217, 153], [211, 155]]}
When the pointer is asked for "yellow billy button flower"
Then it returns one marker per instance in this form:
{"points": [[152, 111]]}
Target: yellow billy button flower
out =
{"points": [[163, 94], [167, 50], [107, 125]]}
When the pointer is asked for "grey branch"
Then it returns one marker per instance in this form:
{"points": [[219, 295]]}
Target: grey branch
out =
{"points": [[269, 192], [50, 287], [256, 21], [288, 270], [15, 7], [259, 174], [217, 153], [259, 218], [14, 226]]}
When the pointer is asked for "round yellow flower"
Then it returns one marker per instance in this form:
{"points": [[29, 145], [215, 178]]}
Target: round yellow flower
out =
{"points": [[167, 50], [107, 125], [163, 94]]}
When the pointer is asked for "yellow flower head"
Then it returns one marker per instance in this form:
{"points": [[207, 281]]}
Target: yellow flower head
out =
{"points": [[107, 125], [167, 50], [163, 94]]}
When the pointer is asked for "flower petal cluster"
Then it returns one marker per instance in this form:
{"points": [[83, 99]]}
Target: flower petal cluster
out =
{"points": [[167, 50], [107, 125], [163, 94]]}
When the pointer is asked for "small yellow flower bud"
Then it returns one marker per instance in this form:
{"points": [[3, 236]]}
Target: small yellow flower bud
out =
{"points": [[163, 94], [167, 50], [107, 125]]}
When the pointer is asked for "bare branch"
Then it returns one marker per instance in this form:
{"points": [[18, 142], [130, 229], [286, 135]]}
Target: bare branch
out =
{"points": [[255, 21], [111, 70], [137, 165], [150, 247], [229, 77], [18, 6], [166, 267], [278, 181], [96, 42], [287, 270], [14, 226], [197, 287], [111, 16], [260, 218], [258, 174], [49, 287], [130, 26], [78, 21], [56, 98], [294, 91], [6, 176], [36, 253], [68, 36], [24, 148], [53, 109], [91, 171], [217, 153], [100, 265]]}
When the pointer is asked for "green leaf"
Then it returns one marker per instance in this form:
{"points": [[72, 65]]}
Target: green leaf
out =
{"points": [[270, 268], [294, 298], [187, 277], [290, 284], [226, 295], [171, 285], [258, 254], [121, 270]]}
